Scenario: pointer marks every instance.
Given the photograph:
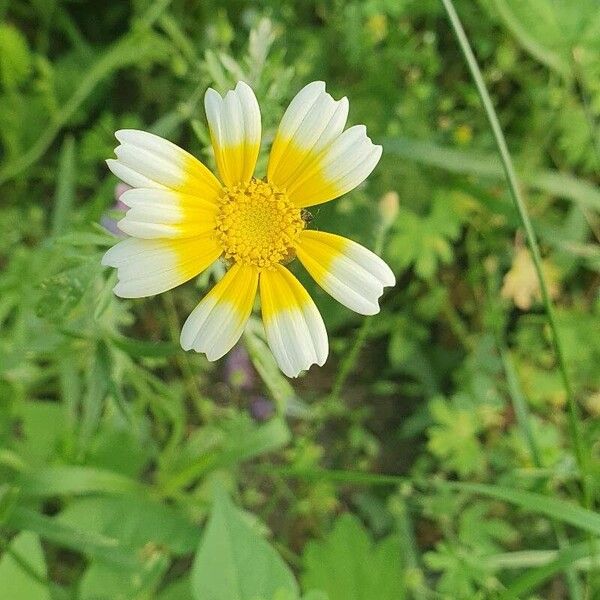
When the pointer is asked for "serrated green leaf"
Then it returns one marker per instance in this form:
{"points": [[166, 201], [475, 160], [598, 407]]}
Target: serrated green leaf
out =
{"points": [[347, 565]]}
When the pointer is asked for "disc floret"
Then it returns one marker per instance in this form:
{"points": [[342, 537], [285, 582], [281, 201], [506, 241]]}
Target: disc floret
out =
{"points": [[257, 224]]}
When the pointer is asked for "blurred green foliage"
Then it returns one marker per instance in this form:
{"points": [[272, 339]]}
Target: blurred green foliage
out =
{"points": [[130, 470]]}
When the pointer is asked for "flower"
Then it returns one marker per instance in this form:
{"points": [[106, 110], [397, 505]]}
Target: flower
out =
{"points": [[181, 219]]}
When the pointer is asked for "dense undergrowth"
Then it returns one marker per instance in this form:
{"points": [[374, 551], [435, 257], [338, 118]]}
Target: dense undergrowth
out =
{"points": [[433, 456]]}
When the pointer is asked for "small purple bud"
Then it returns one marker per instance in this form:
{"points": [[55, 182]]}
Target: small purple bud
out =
{"points": [[120, 189], [261, 409], [108, 222], [239, 371]]}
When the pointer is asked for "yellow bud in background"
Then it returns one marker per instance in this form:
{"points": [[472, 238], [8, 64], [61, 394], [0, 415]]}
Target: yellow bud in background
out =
{"points": [[463, 134], [388, 208]]}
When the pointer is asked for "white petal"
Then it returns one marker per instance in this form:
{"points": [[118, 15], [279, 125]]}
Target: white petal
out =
{"points": [[351, 273], [235, 128], [149, 267], [164, 213], [305, 130], [299, 107], [342, 166], [312, 159], [295, 330], [217, 323], [147, 160]]}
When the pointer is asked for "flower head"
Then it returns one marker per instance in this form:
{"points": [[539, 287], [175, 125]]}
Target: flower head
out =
{"points": [[182, 218]]}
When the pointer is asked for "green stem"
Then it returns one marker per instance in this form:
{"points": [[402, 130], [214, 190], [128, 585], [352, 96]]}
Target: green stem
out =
{"points": [[573, 410], [189, 377], [350, 359]]}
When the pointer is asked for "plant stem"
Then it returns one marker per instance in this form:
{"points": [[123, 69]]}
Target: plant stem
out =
{"points": [[350, 359], [573, 410], [182, 359]]}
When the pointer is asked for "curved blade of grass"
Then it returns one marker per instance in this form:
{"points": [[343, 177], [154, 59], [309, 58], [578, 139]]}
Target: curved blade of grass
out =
{"points": [[572, 514], [573, 410], [65, 187], [532, 578], [454, 160], [566, 512]]}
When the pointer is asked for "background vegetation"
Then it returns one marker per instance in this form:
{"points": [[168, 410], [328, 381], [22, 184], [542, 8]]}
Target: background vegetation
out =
{"points": [[438, 453]]}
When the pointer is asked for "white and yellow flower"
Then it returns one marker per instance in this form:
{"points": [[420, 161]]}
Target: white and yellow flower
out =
{"points": [[181, 218]]}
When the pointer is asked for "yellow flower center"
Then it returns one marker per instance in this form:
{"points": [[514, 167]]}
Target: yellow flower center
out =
{"points": [[257, 224]]}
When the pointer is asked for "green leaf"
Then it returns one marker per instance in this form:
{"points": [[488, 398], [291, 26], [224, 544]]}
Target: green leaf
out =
{"points": [[238, 440], [234, 563], [454, 436], [93, 545], [65, 188], [532, 578], [551, 29], [554, 508], [15, 582], [135, 522], [347, 565], [74, 480], [143, 348], [449, 159], [103, 581], [15, 58], [97, 387], [425, 241], [178, 590], [42, 424]]}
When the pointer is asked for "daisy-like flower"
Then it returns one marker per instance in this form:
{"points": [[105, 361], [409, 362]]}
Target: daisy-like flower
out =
{"points": [[181, 219]]}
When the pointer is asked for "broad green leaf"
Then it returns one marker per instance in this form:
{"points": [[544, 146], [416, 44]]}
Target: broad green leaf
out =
{"points": [[15, 583], [347, 565], [178, 590], [103, 581], [234, 563], [134, 521], [42, 425]]}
